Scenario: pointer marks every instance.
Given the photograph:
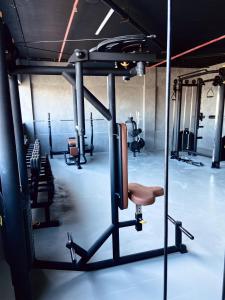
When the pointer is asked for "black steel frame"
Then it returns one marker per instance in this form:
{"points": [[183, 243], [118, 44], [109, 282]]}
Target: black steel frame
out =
{"points": [[115, 164], [18, 250]]}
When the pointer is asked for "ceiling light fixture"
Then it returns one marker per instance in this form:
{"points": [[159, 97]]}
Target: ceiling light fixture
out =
{"points": [[109, 14]]}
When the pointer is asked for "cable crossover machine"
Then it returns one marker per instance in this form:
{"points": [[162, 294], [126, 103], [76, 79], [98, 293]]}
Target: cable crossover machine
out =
{"points": [[185, 137]]}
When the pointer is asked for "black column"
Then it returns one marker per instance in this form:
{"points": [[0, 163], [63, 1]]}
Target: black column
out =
{"points": [[18, 130], [223, 287], [178, 117], [75, 112], [218, 125], [197, 112], [21, 160], [113, 164], [80, 107], [13, 220]]}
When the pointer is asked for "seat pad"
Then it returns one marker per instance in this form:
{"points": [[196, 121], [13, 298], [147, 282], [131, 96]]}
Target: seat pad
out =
{"points": [[144, 195]]}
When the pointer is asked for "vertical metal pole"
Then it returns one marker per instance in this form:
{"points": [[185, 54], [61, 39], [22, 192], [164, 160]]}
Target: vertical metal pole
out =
{"points": [[13, 221], [223, 287], [18, 129], [113, 152], [75, 109], [76, 121], [218, 126], [167, 133], [21, 159], [50, 135], [178, 116], [197, 112], [80, 106]]}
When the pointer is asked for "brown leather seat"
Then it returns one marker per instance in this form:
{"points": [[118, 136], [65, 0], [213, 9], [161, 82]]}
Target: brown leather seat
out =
{"points": [[139, 194], [144, 195], [74, 151], [72, 142]]}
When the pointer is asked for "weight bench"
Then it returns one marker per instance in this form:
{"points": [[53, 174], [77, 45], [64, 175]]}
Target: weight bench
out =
{"points": [[73, 151]]}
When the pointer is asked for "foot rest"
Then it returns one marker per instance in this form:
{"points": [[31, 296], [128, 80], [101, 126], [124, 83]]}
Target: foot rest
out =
{"points": [[144, 195]]}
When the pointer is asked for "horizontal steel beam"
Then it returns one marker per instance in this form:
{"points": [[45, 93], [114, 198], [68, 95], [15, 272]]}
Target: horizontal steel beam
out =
{"points": [[57, 70], [69, 266]]}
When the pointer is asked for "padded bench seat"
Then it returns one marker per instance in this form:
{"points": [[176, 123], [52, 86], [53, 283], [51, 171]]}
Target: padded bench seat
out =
{"points": [[144, 195]]}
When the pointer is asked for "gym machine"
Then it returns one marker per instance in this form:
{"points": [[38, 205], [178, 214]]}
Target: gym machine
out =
{"points": [[16, 205], [184, 139], [135, 142], [121, 191]]}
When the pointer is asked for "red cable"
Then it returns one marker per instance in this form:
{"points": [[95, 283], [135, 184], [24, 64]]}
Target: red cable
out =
{"points": [[189, 51], [74, 9]]}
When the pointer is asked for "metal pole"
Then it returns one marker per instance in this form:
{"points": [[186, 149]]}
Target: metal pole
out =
{"points": [[197, 112], [218, 125], [50, 135], [21, 160], [113, 165], [13, 221], [178, 116], [223, 287], [75, 112], [18, 128], [80, 106], [167, 133]]}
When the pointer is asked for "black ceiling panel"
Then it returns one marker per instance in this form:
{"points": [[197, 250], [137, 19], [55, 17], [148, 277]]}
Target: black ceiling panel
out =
{"points": [[194, 22]]}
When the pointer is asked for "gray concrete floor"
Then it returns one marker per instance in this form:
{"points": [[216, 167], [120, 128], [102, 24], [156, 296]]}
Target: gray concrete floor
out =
{"points": [[82, 204]]}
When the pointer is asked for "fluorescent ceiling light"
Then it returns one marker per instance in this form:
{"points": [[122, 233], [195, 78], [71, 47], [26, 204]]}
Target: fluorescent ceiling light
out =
{"points": [[110, 12]]}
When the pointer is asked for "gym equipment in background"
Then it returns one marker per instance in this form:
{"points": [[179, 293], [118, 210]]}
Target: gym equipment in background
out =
{"points": [[41, 181], [72, 154], [185, 139], [135, 142]]}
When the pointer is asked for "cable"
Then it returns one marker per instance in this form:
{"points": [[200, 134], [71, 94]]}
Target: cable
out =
{"points": [[41, 49], [60, 41], [166, 163], [190, 50], [21, 28]]}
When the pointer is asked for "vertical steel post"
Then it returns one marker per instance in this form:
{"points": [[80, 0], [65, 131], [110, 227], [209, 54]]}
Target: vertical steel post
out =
{"points": [[50, 135], [75, 113], [21, 160], [178, 117], [113, 152], [223, 287], [18, 130], [76, 121], [218, 125], [80, 106], [166, 145], [13, 221], [197, 112]]}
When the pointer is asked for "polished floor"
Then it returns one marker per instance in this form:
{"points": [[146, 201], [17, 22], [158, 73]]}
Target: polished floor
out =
{"points": [[82, 204]]}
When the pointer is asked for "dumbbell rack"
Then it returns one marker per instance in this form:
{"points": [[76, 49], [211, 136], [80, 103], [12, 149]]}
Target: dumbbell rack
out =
{"points": [[41, 180]]}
